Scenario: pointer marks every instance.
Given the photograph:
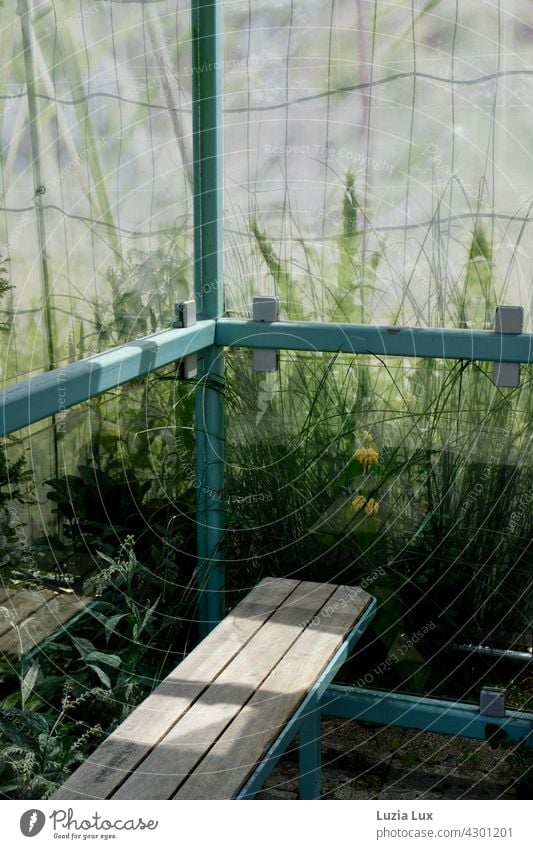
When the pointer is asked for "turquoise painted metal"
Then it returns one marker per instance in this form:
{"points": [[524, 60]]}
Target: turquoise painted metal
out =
{"points": [[46, 394], [310, 755], [210, 492], [38, 397], [305, 720], [441, 343], [207, 54], [425, 714]]}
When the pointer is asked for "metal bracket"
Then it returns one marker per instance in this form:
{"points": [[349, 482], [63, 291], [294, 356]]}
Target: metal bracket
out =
{"points": [[265, 308], [508, 320], [492, 701], [185, 316]]}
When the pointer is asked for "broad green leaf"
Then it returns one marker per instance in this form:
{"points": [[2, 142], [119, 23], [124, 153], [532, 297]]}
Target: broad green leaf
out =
{"points": [[101, 657], [110, 625], [104, 678], [28, 682], [21, 727], [84, 646], [148, 615]]}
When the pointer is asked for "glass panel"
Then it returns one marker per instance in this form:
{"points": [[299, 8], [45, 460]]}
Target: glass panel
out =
{"points": [[378, 167], [112, 143], [413, 478]]}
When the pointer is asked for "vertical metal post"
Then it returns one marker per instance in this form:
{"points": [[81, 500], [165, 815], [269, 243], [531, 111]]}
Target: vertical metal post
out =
{"points": [[24, 12], [310, 740], [209, 293]]}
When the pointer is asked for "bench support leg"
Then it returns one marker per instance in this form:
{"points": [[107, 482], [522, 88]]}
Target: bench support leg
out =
{"points": [[310, 756]]}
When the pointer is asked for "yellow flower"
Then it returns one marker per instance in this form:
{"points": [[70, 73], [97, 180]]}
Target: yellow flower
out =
{"points": [[358, 503], [366, 456], [372, 507], [360, 455], [367, 437]]}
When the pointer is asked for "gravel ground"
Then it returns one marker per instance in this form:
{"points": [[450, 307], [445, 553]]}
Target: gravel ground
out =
{"points": [[364, 762]]}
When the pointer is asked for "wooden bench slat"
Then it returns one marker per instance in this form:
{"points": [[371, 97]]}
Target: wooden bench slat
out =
{"points": [[4, 595], [229, 763], [161, 773], [22, 605], [141, 731], [44, 621]]}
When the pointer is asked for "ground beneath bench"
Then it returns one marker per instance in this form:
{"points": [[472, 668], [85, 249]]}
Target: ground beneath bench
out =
{"points": [[364, 762]]}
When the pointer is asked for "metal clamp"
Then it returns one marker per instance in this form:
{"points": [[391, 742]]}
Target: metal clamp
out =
{"points": [[492, 701], [508, 320], [265, 308], [185, 316]]}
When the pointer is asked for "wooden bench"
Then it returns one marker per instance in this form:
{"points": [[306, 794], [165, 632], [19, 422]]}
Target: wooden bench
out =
{"points": [[30, 617], [217, 725]]}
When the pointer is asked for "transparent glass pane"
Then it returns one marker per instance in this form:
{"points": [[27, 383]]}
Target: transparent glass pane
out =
{"points": [[95, 193], [378, 164], [109, 85], [416, 472]]}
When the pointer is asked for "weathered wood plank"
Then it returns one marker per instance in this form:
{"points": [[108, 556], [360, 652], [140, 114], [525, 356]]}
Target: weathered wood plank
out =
{"points": [[126, 747], [43, 622], [5, 594], [230, 762], [20, 607], [161, 773]]}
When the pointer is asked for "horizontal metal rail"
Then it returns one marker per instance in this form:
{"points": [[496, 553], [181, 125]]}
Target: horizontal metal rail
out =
{"points": [[54, 391], [420, 712], [392, 341], [48, 394]]}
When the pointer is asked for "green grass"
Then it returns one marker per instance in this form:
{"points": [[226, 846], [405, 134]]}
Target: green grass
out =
{"points": [[455, 478]]}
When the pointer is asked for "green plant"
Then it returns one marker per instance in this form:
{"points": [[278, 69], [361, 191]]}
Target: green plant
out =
{"points": [[58, 704], [454, 478], [410, 758], [133, 620], [100, 508], [97, 507], [520, 695], [471, 759], [39, 746], [14, 480]]}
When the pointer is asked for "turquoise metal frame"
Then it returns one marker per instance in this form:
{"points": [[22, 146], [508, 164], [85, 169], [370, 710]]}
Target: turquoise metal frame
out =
{"points": [[37, 397], [31, 400], [458, 719], [207, 56], [395, 341]]}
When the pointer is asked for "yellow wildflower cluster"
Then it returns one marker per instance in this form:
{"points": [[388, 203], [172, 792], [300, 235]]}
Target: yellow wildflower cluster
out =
{"points": [[371, 507], [367, 456], [358, 503]]}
